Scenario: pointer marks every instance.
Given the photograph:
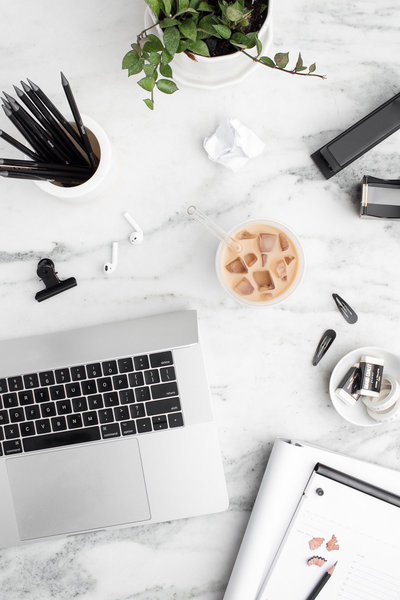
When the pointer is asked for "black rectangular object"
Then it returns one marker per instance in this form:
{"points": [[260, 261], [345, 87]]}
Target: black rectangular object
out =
{"points": [[67, 438], [380, 198], [359, 138]]}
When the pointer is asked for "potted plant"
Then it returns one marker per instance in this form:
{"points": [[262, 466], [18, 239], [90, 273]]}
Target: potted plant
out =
{"points": [[204, 37]]}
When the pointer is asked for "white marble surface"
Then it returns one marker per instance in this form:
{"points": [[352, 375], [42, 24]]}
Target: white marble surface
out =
{"points": [[258, 362]]}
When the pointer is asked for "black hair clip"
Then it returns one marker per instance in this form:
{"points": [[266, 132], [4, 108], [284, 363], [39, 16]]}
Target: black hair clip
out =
{"points": [[47, 273], [346, 311], [323, 345]]}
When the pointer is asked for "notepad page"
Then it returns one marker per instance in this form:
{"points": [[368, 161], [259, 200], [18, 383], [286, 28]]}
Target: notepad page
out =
{"points": [[368, 534]]}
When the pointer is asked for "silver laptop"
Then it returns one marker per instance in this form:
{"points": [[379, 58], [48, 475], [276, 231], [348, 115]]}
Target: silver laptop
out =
{"points": [[106, 426]]}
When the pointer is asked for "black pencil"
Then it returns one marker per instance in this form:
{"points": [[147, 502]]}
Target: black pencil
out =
{"points": [[321, 583], [25, 133], [79, 123], [51, 173], [36, 177], [13, 162], [13, 142]]}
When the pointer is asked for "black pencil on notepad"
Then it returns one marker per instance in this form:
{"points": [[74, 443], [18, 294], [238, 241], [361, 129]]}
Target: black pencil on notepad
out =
{"points": [[321, 583]]}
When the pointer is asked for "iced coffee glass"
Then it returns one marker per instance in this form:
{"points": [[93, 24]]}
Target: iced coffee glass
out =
{"points": [[266, 268]]}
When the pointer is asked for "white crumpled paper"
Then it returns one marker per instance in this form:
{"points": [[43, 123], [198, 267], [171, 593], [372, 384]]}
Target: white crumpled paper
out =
{"points": [[232, 144]]}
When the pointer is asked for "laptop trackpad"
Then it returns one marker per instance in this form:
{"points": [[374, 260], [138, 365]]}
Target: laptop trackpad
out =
{"points": [[74, 489]]}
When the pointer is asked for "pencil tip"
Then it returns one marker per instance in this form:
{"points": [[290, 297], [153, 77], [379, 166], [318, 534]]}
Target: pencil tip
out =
{"points": [[33, 85], [18, 91], [6, 110], [64, 80], [25, 86], [8, 96]]}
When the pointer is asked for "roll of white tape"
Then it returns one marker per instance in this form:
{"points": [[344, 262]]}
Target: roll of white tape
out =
{"points": [[385, 416], [389, 395]]}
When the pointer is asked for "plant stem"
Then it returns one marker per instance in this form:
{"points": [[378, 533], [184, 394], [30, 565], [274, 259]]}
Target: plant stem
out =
{"points": [[257, 60], [140, 35]]}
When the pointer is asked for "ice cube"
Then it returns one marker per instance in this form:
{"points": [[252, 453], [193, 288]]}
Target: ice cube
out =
{"points": [[284, 242], [266, 295], [244, 287], [267, 241], [264, 280], [264, 258], [250, 259], [246, 235], [281, 269], [288, 259], [236, 266]]}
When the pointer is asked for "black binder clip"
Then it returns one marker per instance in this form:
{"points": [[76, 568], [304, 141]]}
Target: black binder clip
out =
{"points": [[47, 273]]}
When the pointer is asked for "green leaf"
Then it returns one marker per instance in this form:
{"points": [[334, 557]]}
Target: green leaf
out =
{"points": [[166, 86], [136, 47], [136, 68], [131, 58], [281, 59], [188, 29], [233, 14], [242, 40], [205, 7], [167, 5], [147, 83], [182, 4], [312, 68], [223, 31], [155, 58], [267, 61], [259, 45], [183, 46], [148, 70], [152, 44], [165, 57], [198, 47], [168, 22], [207, 23], [186, 11], [154, 5], [165, 70], [171, 39], [299, 64], [149, 103]]}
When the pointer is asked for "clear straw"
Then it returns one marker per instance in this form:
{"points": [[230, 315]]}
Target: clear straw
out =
{"points": [[197, 214]]}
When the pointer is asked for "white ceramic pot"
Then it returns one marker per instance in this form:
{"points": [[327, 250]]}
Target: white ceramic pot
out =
{"points": [[90, 188], [212, 72]]}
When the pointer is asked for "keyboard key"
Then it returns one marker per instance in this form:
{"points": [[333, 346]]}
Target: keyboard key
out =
{"points": [[128, 428], [160, 423], [161, 359], [32, 412], [152, 376], [1, 434], [58, 424], [73, 390], [64, 407], [120, 382], [94, 370], [136, 379], [43, 426], [42, 395], [74, 421], [106, 415], [62, 375], [89, 387], [31, 381], [111, 399], [79, 404], [4, 417], [175, 420], [95, 402], [46, 378], [11, 431], [27, 428], [163, 390], [78, 373], [137, 410], [121, 413], [66, 438], [143, 425], [48, 409], [126, 396], [15, 384], [90, 418], [25, 398], [125, 365], [17, 415], [141, 362], [10, 400], [168, 374], [57, 392], [109, 367], [13, 447], [1, 450], [104, 384], [110, 431], [158, 407], [3, 386], [142, 394]]}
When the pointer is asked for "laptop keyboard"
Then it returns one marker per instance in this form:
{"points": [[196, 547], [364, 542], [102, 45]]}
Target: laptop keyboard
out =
{"points": [[86, 403]]}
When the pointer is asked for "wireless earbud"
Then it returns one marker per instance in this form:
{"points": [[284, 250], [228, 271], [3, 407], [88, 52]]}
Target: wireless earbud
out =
{"points": [[136, 237], [110, 267]]}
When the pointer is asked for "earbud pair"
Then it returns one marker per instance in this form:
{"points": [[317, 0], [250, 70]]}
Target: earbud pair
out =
{"points": [[136, 237]]}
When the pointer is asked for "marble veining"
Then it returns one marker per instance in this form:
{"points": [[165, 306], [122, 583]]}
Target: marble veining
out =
{"points": [[258, 362]]}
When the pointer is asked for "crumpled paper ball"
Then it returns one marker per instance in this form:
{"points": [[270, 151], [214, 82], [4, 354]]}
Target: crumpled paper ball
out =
{"points": [[233, 144]]}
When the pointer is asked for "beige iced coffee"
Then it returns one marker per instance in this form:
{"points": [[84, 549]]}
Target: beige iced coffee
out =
{"points": [[266, 266]]}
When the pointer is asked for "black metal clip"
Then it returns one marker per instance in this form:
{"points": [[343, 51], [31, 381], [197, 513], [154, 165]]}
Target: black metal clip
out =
{"points": [[47, 273]]}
